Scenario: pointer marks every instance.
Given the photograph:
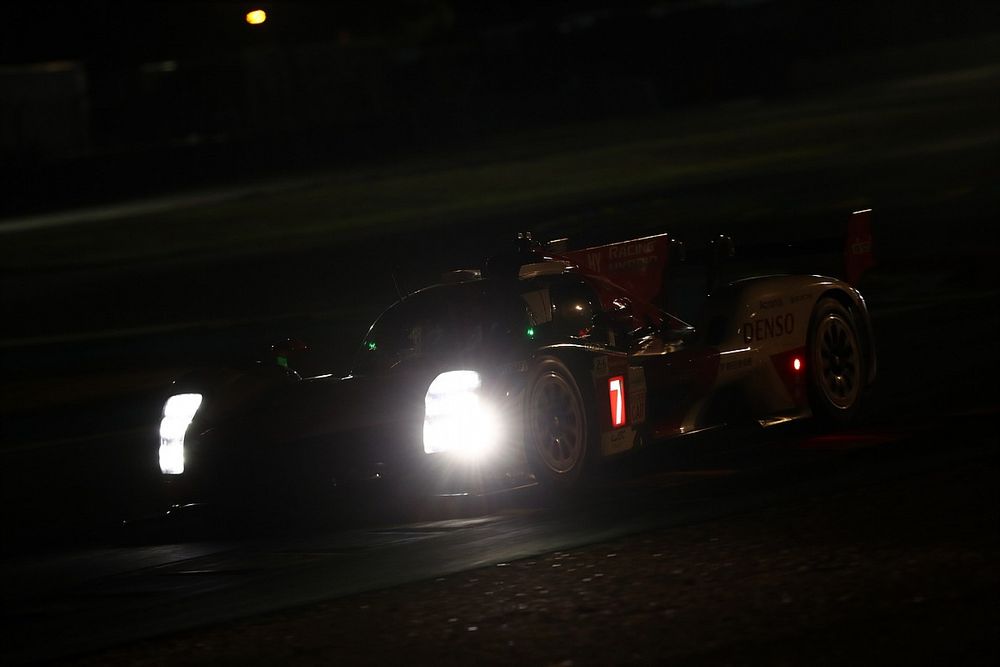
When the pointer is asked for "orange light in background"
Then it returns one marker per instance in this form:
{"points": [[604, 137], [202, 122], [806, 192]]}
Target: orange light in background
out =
{"points": [[797, 364], [256, 17]]}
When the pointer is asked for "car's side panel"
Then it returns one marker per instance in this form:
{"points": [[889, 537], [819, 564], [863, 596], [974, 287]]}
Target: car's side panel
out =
{"points": [[680, 377], [763, 328]]}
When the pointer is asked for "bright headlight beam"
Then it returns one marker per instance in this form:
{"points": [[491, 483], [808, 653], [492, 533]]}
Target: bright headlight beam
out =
{"points": [[457, 420], [453, 382], [182, 406], [178, 412]]}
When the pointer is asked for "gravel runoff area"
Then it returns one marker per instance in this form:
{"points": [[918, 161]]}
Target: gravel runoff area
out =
{"points": [[902, 572]]}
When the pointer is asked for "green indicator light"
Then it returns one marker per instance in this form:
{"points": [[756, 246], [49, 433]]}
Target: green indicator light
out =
{"points": [[371, 345], [531, 332]]}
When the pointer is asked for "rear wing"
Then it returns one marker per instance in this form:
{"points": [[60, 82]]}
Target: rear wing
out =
{"points": [[644, 265], [848, 255], [649, 267]]}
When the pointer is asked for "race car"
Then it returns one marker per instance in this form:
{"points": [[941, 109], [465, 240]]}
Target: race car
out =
{"points": [[547, 360]]}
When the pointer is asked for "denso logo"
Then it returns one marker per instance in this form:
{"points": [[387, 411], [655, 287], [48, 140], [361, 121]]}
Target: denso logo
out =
{"points": [[768, 327]]}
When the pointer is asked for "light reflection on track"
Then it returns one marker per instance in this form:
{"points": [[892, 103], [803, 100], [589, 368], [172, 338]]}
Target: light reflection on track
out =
{"points": [[98, 597]]}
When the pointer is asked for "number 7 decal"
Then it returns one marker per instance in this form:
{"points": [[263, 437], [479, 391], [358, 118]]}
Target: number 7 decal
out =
{"points": [[616, 392]]}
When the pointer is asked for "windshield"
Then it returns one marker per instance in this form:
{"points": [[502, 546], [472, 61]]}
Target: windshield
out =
{"points": [[471, 321]]}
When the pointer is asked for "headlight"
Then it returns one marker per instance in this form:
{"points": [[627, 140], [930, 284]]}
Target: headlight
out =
{"points": [[178, 412], [457, 419]]}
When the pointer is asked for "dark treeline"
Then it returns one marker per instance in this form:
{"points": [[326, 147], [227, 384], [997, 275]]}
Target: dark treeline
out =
{"points": [[195, 93]]}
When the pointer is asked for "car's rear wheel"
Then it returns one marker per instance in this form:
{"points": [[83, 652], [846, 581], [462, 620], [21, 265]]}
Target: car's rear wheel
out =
{"points": [[837, 363], [558, 436]]}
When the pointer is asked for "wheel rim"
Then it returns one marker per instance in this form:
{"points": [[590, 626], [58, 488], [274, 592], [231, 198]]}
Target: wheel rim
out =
{"points": [[837, 361], [557, 427]]}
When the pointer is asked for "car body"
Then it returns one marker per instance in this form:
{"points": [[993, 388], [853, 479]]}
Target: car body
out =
{"points": [[548, 361]]}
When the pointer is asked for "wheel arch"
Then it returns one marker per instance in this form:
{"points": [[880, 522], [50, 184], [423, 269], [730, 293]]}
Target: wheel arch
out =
{"points": [[855, 305], [576, 362], [579, 359]]}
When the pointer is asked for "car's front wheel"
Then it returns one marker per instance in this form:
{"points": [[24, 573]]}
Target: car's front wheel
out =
{"points": [[558, 431]]}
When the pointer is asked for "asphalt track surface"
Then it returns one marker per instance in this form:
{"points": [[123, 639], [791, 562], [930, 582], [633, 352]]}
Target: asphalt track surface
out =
{"points": [[72, 584], [888, 557]]}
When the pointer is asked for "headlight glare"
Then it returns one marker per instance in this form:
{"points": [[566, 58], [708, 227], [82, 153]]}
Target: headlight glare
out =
{"points": [[178, 412], [457, 419], [182, 406]]}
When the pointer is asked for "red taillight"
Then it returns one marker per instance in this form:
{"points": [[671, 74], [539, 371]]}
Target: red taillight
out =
{"points": [[797, 364], [616, 392]]}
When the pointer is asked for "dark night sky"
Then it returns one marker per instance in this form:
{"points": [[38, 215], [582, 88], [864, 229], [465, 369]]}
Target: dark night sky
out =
{"points": [[40, 30], [52, 29]]}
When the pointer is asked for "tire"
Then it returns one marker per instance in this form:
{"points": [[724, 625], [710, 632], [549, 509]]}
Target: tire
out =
{"points": [[837, 369], [559, 432]]}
